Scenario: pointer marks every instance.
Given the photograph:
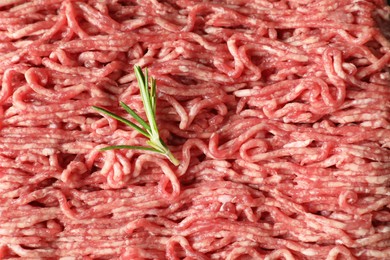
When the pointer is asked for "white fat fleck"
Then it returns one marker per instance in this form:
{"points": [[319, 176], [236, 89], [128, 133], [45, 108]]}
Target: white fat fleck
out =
{"points": [[68, 106], [275, 179], [384, 229], [353, 167], [47, 151], [180, 49], [298, 144], [225, 198], [309, 252], [361, 232], [336, 184], [183, 69], [212, 30], [377, 179], [385, 75], [53, 125], [15, 58]]}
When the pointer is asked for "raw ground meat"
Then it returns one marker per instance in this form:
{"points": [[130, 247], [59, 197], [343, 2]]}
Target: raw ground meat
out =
{"points": [[278, 111]]}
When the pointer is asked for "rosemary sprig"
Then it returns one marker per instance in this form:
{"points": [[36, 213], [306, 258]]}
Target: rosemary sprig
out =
{"points": [[148, 129]]}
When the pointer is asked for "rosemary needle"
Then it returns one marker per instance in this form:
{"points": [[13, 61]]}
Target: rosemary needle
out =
{"points": [[147, 128]]}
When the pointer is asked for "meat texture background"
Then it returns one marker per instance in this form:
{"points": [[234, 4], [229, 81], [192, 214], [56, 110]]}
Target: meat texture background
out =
{"points": [[277, 110]]}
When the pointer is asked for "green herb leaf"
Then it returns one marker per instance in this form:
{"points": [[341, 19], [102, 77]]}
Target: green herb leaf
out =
{"points": [[132, 147], [135, 115], [148, 129], [123, 120]]}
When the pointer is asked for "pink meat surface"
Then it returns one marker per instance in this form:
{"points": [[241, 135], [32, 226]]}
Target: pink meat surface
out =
{"points": [[279, 112]]}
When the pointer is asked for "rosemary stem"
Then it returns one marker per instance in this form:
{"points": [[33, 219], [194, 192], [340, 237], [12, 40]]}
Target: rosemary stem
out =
{"points": [[148, 129]]}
